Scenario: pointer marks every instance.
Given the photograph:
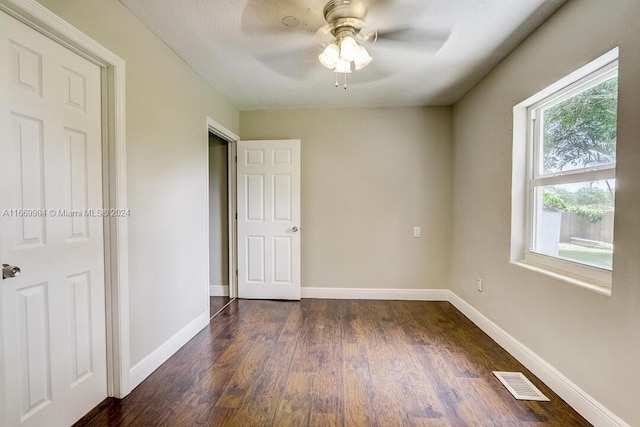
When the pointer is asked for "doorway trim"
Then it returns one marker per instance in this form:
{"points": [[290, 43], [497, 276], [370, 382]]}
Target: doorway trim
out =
{"points": [[112, 68], [231, 139]]}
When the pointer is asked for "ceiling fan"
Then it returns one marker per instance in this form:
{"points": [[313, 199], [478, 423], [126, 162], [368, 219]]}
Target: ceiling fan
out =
{"points": [[345, 21], [355, 33]]}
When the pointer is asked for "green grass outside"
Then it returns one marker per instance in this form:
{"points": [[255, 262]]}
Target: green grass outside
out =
{"points": [[597, 257]]}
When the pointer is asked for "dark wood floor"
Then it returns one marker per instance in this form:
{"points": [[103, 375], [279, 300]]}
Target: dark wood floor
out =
{"points": [[216, 303], [335, 363]]}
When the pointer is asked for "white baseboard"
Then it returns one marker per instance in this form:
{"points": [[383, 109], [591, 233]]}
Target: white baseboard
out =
{"points": [[577, 398], [146, 366], [378, 294], [218, 291]]}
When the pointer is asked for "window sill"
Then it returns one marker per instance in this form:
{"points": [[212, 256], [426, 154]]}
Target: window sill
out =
{"points": [[592, 285]]}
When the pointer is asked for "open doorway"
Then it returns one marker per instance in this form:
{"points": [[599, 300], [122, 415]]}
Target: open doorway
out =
{"points": [[222, 207], [219, 282]]}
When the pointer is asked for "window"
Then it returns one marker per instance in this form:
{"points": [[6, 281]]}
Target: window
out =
{"points": [[570, 162]]}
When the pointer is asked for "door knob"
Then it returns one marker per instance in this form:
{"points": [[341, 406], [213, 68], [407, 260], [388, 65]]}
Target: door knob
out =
{"points": [[9, 271], [295, 229]]}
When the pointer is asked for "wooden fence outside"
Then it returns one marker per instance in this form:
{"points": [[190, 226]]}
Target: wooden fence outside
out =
{"points": [[574, 225]]}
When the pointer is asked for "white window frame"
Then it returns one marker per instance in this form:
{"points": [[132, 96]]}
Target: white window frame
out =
{"points": [[527, 175]]}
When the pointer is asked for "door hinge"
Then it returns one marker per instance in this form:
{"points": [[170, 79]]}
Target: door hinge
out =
{"points": [[236, 271], [236, 158], [236, 215]]}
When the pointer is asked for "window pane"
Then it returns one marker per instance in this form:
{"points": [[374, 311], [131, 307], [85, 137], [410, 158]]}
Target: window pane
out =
{"points": [[580, 131], [575, 222]]}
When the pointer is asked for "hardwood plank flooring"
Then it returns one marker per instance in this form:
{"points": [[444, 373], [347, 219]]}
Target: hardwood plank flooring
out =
{"points": [[335, 363], [216, 303]]}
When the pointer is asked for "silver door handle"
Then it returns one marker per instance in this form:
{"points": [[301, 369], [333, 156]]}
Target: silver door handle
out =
{"points": [[9, 271], [295, 229]]}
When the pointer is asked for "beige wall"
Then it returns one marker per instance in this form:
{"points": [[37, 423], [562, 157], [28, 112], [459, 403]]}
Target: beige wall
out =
{"points": [[218, 213], [592, 339], [368, 177], [166, 109]]}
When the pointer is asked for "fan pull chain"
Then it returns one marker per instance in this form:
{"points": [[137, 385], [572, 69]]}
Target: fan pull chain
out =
{"points": [[345, 80]]}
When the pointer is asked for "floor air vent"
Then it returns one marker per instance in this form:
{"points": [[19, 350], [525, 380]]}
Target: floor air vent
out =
{"points": [[520, 386]]}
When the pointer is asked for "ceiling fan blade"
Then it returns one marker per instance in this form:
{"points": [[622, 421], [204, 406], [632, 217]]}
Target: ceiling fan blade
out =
{"points": [[374, 72], [326, 29], [366, 36], [379, 3], [420, 40], [324, 35], [294, 64], [280, 16], [391, 14]]}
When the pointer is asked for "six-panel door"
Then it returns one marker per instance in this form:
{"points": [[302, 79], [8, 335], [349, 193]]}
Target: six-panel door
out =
{"points": [[269, 219], [52, 339]]}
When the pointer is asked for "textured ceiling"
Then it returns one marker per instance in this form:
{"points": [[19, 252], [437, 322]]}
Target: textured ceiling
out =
{"points": [[257, 59]]}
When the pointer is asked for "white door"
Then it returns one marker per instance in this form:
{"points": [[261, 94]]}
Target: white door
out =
{"points": [[269, 219], [52, 334]]}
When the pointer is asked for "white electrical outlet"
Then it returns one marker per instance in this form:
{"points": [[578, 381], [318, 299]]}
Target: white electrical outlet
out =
{"points": [[417, 231], [479, 285]]}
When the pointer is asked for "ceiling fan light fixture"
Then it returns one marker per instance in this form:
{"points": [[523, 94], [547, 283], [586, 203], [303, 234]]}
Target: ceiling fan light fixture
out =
{"points": [[362, 58], [348, 48], [329, 56], [342, 66], [345, 20]]}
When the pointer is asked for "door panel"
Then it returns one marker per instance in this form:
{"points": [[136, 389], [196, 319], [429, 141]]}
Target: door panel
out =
{"points": [[269, 219], [282, 260], [254, 185], [80, 322], [76, 182], [34, 365], [255, 259], [52, 333], [282, 198], [28, 158]]}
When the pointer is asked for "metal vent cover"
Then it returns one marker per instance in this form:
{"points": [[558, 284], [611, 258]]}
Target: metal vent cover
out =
{"points": [[519, 386]]}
